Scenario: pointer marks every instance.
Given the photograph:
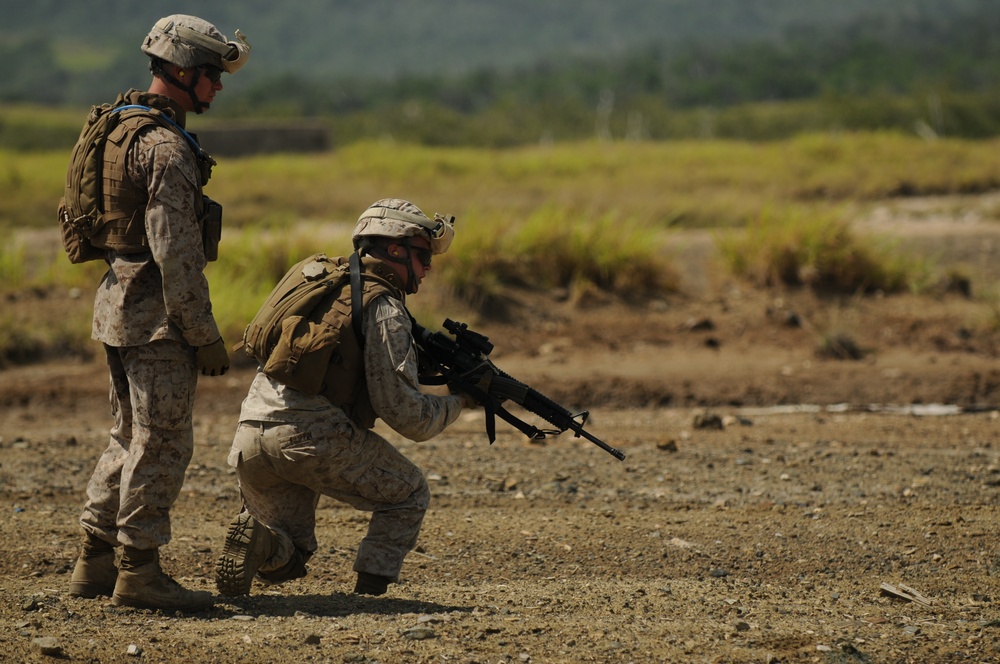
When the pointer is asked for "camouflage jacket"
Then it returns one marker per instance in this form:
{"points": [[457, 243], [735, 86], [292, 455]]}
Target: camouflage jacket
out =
{"points": [[390, 357], [162, 293]]}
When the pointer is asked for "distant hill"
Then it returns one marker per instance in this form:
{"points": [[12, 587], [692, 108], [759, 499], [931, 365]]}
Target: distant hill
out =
{"points": [[56, 51]]}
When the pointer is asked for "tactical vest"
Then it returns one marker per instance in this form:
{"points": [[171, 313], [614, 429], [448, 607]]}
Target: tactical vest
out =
{"points": [[125, 205], [317, 351]]}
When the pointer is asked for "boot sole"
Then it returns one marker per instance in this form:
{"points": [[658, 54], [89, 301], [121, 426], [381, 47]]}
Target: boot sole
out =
{"points": [[236, 567]]}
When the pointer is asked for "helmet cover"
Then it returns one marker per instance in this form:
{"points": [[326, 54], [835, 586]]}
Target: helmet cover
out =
{"points": [[399, 219], [189, 41]]}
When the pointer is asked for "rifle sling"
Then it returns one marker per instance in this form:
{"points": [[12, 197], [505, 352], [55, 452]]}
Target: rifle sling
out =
{"points": [[493, 407]]}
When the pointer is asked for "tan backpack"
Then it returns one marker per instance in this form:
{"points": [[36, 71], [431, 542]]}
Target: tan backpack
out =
{"points": [[304, 345], [81, 212]]}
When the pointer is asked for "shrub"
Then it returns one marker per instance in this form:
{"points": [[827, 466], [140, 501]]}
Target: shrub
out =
{"points": [[822, 253], [553, 249]]}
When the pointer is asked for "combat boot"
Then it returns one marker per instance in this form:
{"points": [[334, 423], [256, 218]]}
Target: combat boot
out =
{"points": [[95, 573], [371, 584], [142, 584], [295, 568], [249, 545]]}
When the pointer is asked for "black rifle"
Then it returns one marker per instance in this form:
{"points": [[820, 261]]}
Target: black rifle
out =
{"points": [[463, 362]]}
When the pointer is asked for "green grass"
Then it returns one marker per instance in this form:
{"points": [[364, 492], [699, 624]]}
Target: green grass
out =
{"points": [[708, 184], [581, 218], [30, 186]]}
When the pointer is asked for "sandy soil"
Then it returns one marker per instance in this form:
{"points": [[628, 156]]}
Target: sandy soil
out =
{"points": [[777, 504]]}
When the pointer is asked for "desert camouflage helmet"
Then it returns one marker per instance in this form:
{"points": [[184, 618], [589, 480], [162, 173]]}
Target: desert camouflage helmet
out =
{"points": [[396, 218], [188, 41]]}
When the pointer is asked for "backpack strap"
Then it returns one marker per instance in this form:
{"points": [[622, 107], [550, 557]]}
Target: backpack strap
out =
{"points": [[356, 304], [167, 121]]}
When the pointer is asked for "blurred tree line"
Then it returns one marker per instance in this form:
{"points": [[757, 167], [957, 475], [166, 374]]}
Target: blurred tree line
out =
{"points": [[912, 71]]}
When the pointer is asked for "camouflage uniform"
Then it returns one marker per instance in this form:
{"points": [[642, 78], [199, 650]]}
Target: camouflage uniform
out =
{"points": [[151, 310], [290, 448]]}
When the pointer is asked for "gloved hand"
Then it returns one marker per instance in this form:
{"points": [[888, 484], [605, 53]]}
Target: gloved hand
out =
{"points": [[483, 384], [213, 359]]}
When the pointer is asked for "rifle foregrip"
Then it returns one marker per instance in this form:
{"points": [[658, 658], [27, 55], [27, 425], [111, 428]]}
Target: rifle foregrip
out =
{"points": [[503, 386]]}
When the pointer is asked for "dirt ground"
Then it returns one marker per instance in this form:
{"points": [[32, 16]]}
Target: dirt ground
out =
{"points": [[778, 502]]}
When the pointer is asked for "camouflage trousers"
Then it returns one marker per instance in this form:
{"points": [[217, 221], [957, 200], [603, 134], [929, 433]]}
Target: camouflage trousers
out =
{"points": [[283, 469], [139, 475]]}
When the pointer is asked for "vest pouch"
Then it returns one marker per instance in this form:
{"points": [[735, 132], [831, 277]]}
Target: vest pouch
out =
{"points": [[211, 229], [78, 247], [300, 358]]}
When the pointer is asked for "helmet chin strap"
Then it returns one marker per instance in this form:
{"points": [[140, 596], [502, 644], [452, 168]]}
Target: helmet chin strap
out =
{"points": [[199, 106], [410, 274], [383, 253]]}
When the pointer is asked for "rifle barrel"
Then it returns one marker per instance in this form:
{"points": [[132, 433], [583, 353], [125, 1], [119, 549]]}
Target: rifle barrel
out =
{"points": [[616, 453]]}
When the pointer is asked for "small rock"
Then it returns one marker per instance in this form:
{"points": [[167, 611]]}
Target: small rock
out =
{"points": [[419, 633], [133, 650], [667, 445], [742, 626], [718, 573], [707, 421], [699, 324], [313, 640], [49, 645], [428, 618]]}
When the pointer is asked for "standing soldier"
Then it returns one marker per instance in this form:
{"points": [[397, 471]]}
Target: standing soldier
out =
{"points": [[154, 316]]}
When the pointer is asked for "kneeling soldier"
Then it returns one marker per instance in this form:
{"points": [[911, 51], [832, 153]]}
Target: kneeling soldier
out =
{"points": [[301, 437]]}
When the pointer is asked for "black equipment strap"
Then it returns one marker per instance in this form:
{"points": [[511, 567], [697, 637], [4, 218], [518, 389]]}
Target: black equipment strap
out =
{"points": [[356, 304]]}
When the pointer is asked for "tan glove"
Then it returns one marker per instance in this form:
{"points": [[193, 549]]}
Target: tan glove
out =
{"points": [[483, 384], [213, 359]]}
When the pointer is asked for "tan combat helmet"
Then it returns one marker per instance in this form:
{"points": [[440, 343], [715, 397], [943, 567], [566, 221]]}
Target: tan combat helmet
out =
{"points": [[396, 218], [188, 41]]}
